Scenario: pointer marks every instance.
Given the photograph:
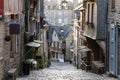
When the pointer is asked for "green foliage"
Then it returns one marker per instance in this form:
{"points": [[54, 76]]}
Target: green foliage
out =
{"points": [[28, 52], [40, 60], [41, 30], [49, 62]]}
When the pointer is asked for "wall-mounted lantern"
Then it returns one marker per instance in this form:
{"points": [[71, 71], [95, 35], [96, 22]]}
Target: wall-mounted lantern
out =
{"points": [[62, 30]]}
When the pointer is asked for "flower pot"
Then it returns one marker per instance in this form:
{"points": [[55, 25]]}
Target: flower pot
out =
{"points": [[7, 38]]}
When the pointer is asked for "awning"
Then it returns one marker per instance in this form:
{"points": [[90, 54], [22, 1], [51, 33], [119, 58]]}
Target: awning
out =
{"points": [[84, 49], [80, 6], [37, 41], [56, 51], [82, 37], [71, 50], [33, 44], [1, 7]]}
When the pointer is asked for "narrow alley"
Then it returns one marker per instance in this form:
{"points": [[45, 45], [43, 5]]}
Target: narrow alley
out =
{"points": [[59, 39], [63, 71]]}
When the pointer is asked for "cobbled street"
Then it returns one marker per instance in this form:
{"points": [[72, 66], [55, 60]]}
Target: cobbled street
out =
{"points": [[63, 71]]}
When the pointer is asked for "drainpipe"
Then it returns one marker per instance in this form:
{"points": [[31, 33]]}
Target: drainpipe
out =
{"points": [[106, 40], [26, 15]]}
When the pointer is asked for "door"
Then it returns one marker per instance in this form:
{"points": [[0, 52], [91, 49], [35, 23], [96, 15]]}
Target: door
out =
{"points": [[113, 50]]}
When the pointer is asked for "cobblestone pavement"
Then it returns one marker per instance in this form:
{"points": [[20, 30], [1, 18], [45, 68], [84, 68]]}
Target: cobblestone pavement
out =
{"points": [[63, 71]]}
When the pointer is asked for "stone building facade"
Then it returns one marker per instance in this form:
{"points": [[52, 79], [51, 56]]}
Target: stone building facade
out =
{"points": [[10, 42], [56, 15], [59, 15], [93, 32], [10, 53]]}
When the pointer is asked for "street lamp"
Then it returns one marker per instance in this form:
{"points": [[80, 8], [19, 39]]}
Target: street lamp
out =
{"points": [[62, 30]]}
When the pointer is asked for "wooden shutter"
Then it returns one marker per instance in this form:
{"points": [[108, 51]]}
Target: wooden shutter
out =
{"points": [[113, 68]]}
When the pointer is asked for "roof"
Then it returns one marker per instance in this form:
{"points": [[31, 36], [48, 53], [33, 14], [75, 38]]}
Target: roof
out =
{"points": [[49, 33], [33, 44], [80, 7], [84, 49], [62, 35]]}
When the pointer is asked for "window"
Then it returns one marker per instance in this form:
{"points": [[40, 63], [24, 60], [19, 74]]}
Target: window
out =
{"points": [[12, 47], [57, 44], [66, 7], [88, 15], [60, 20], [59, 7], [54, 44], [60, 13], [112, 4], [65, 20], [92, 13]]}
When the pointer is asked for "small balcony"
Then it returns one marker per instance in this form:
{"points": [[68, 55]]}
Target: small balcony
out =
{"points": [[94, 31], [55, 49], [90, 0]]}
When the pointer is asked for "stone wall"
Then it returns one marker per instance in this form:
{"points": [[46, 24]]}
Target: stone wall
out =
{"points": [[1, 48], [6, 61]]}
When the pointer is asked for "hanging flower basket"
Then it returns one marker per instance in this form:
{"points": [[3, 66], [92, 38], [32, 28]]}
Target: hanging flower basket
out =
{"points": [[7, 38]]}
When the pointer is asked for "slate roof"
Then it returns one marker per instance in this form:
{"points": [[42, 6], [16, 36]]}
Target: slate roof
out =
{"points": [[42, 8], [61, 35], [49, 33]]}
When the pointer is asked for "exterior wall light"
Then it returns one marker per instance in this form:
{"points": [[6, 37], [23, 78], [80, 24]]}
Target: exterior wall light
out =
{"points": [[62, 30]]}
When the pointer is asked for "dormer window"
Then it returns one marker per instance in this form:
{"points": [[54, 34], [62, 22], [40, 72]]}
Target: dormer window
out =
{"points": [[64, 4], [51, 7], [59, 7]]}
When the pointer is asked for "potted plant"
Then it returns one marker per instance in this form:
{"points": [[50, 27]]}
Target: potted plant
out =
{"points": [[7, 38], [41, 30], [40, 60]]}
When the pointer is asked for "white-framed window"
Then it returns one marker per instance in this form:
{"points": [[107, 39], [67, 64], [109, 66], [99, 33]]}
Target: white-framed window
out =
{"points": [[60, 7], [90, 12], [59, 20], [65, 20], [60, 13]]}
